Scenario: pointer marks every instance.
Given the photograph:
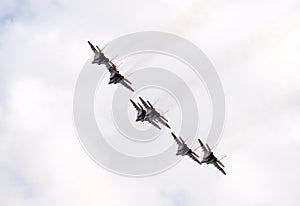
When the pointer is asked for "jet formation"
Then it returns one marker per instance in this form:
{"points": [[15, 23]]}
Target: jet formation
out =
{"points": [[147, 113], [115, 76]]}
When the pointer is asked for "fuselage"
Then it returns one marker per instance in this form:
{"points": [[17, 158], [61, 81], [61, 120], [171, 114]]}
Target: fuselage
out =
{"points": [[115, 77], [152, 114], [99, 58], [182, 150], [209, 158], [141, 116]]}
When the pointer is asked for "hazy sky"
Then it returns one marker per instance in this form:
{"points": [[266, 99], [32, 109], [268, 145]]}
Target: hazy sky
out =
{"points": [[255, 47]]}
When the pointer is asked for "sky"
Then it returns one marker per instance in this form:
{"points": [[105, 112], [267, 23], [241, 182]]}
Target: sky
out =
{"points": [[255, 48]]}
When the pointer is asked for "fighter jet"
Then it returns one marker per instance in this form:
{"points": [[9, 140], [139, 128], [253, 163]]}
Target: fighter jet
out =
{"points": [[183, 149], [116, 77], [209, 157], [99, 57], [152, 115], [141, 114]]}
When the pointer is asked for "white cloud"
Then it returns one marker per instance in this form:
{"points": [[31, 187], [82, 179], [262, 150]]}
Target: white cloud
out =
{"points": [[254, 46]]}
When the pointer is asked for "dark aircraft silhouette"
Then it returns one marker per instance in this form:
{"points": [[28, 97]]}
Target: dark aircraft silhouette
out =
{"points": [[209, 157], [99, 57], [183, 149], [116, 77]]}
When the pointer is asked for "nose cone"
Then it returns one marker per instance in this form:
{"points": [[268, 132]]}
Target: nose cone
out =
{"points": [[90, 44]]}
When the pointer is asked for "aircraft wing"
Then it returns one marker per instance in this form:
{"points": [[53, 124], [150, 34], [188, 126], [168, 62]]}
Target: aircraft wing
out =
{"points": [[154, 124], [164, 123], [126, 80], [163, 118], [167, 125], [220, 163], [176, 139], [194, 158], [144, 103], [125, 84], [218, 167]]}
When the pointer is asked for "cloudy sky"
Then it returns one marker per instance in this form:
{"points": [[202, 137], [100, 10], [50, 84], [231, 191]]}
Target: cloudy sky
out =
{"points": [[255, 48]]}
